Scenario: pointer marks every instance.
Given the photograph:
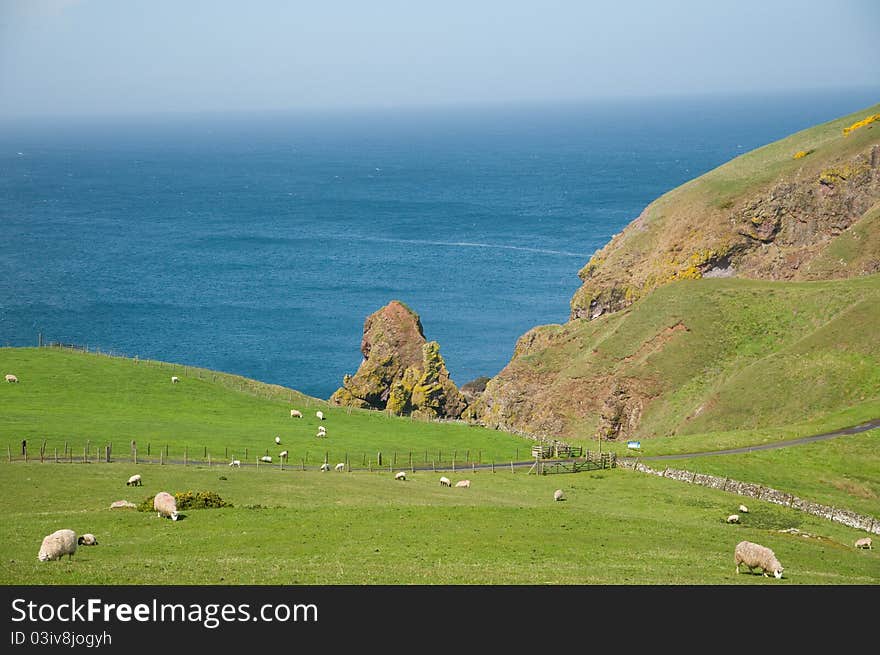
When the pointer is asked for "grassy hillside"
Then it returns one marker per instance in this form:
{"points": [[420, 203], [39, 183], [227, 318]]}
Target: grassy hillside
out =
{"points": [[291, 527], [73, 397], [724, 361]]}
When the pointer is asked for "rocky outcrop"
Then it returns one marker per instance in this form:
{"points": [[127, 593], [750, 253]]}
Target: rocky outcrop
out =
{"points": [[401, 371]]}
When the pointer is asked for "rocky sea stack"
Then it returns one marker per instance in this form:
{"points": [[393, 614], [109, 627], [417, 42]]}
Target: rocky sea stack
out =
{"points": [[401, 370]]}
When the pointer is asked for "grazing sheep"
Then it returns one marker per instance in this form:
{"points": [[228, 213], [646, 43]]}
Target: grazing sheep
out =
{"points": [[864, 542], [733, 518], [445, 482], [320, 415], [321, 428], [295, 413], [325, 466], [283, 454], [174, 379], [57, 545], [558, 495], [122, 504], [400, 475], [277, 441], [165, 505], [757, 556], [266, 458], [87, 539], [743, 509], [463, 483], [11, 378], [340, 466], [321, 434], [236, 463], [134, 481]]}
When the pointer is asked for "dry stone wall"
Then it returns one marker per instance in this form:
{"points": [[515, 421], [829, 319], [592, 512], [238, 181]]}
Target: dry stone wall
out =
{"points": [[760, 492]]}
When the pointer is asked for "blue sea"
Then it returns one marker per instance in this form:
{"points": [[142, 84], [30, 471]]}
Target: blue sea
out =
{"points": [[257, 244]]}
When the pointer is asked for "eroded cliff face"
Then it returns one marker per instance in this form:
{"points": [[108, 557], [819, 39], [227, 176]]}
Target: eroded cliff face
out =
{"points": [[711, 227], [401, 370], [803, 208]]}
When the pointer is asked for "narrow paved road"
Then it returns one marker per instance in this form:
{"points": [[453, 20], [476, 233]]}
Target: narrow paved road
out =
{"points": [[863, 427]]}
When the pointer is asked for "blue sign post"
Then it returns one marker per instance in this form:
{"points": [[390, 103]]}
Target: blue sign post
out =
{"points": [[634, 445]]}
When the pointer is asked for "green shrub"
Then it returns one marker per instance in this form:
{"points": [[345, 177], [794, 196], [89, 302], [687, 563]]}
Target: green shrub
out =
{"points": [[189, 500]]}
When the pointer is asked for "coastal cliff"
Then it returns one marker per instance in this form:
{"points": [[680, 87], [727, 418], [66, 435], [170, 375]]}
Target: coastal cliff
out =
{"points": [[695, 317]]}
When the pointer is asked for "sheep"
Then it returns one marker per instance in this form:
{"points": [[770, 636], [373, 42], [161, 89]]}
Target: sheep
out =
{"points": [[320, 415], [165, 505], [283, 454], [277, 441], [134, 481], [340, 466], [463, 483], [757, 556], [266, 458], [445, 482], [864, 542], [400, 475], [325, 466], [733, 518], [174, 379], [236, 463], [87, 539], [295, 413], [321, 428], [57, 545], [122, 504], [11, 378], [558, 495], [743, 509], [321, 434]]}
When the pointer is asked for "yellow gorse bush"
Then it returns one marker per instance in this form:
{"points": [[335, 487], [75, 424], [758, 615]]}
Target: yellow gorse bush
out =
{"points": [[861, 123]]}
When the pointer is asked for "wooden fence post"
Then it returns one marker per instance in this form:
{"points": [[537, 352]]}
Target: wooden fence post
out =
{"points": [[56, 454], [185, 455], [493, 466], [8, 453]]}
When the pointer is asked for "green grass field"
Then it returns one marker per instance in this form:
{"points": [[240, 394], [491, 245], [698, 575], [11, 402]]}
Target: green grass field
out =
{"points": [[74, 397], [616, 527], [308, 527], [841, 472]]}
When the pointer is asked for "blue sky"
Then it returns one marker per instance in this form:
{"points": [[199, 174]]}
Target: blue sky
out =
{"points": [[147, 56]]}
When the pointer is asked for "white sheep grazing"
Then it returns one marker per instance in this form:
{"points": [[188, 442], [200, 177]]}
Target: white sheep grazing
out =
{"points": [[400, 475], [864, 542], [174, 379], [87, 539], [266, 458], [320, 415], [295, 413], [743, 509], [325, 466], [165, 505], [134, 481], [277, 441], [122, 504], [445, 482], [321, 434], [463, 483], [733, 518], [757, 556], [558, 495], [236, 463], [57, 545], [11, 378], [340, 466]]}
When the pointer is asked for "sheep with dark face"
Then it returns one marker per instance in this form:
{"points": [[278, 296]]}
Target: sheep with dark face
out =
{"points": [[57, 545], [400, 475], [864, 542], [445, 482], [134, 481], [755, 556], [558, 495], [733, 518], [87, 539]]}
